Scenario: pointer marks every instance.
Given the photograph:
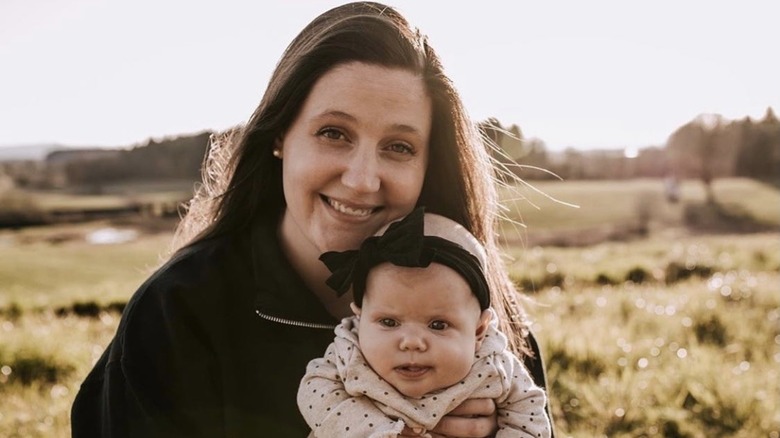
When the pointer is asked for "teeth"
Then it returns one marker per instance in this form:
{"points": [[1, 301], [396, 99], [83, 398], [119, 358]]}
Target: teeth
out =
{"points": [[358, 212]]}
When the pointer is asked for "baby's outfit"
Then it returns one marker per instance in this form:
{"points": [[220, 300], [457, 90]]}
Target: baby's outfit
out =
{"points": [[341, 396]]}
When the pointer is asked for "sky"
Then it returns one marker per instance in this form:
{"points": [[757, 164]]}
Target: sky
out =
{"points": [[582, 74]]}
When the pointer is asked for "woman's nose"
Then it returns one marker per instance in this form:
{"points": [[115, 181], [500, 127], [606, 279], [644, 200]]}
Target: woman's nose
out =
{"points": [[413, 341], [362, 171]]}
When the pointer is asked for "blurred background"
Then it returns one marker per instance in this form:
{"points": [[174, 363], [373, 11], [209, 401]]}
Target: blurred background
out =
{"points": [[644, 235]]}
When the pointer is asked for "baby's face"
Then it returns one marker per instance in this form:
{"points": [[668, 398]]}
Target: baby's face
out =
{"points": [[419, 327]]}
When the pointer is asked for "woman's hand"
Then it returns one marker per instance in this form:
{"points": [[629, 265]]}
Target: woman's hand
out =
{"points": [[474, 418], [412, 432]]}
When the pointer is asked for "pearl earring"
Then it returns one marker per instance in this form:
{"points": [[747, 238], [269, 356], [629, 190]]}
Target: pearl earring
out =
{"points": [[277, 153]]}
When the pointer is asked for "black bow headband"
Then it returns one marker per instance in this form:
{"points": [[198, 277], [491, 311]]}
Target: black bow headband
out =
{"points": [[403, 244]]}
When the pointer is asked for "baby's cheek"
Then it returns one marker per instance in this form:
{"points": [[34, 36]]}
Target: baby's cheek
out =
{"points": [[376, 356], [459, 364]]}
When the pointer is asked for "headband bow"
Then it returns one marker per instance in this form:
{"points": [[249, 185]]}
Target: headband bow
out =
{"points": [[404, 243]]}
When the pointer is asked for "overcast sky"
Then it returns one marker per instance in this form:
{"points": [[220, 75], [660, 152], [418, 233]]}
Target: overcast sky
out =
{"points": [[573, 73]]}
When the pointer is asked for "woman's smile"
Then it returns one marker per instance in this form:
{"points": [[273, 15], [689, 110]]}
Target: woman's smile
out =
{"points": [[349, 209]]}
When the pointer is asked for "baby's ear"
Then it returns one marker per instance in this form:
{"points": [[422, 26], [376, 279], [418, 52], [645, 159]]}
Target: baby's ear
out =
{"points": [[484, 323], [355, 309]]}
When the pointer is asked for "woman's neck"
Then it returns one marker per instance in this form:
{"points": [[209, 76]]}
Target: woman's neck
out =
{"points": [[304, 258]]}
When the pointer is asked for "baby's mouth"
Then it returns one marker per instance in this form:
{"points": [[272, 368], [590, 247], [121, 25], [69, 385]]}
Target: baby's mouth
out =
{"points": [[412, 370]]}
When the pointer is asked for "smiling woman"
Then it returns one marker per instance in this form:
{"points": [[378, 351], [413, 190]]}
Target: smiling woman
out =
{"points": [[359, 124]]}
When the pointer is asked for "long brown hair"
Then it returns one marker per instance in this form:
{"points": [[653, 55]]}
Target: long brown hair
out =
{"points": [[243, 181]]}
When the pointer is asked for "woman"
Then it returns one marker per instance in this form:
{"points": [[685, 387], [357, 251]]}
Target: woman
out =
{"points": [[358, 126]]}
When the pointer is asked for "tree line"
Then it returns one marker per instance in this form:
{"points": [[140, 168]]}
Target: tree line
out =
{"points": [[175, 158], [707, 147]]}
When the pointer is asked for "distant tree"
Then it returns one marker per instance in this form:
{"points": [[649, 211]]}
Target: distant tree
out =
{"points": [[574, 164], [651, 162], [514, 154], [759, 156], [490, 130], [505, 144], [701, 149], [534, 157], [512, 142], [706, 152], [173, 158]]}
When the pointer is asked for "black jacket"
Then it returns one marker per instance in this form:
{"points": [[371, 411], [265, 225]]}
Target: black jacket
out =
{"points": [[207, 347]]}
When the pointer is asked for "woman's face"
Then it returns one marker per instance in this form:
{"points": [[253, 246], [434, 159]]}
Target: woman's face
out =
{"points": [[354, 158]]}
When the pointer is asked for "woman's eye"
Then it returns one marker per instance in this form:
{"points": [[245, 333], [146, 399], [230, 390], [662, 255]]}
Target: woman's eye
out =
{"points": [[401, 148], [331, 133], [438, 325], [387, 322]]}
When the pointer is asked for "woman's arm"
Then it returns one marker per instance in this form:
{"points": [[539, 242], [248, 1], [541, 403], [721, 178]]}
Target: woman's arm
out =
{"points": [[157, 377]]}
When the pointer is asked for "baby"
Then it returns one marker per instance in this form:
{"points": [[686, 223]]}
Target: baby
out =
{"points": [[422, 341]]}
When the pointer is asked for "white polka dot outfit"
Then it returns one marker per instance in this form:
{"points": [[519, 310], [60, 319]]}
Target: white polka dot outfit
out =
{"points": [[341, 396]]}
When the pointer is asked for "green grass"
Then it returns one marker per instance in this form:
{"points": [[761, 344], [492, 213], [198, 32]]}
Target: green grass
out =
{"points": [[663, 259], [63, 201], [154, 188], [45, 345], [621, 202], [46, 275], [110, 196], [758, 200], [701, 358]]}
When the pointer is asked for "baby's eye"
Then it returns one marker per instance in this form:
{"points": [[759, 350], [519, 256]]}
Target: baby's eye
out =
{"points": [[331, 133], [387, 322], [438, 325]]}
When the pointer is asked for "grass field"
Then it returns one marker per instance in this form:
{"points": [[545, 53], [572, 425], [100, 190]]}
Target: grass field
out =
{"points": [[674, 332], [625, 202], [696, 359]]}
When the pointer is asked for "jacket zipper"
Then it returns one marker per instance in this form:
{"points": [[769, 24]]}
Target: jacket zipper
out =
{"points": [[312, 325]]}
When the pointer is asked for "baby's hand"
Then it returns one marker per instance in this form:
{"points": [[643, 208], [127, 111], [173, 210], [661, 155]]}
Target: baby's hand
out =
{"points": [[474, 418]]}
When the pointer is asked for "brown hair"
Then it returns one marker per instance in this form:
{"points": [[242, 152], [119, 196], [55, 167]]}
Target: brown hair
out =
{"points": [[243, 181]]}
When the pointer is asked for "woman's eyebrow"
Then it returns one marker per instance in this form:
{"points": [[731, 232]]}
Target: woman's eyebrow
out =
{"points": [[336, 113], [405, 128]]}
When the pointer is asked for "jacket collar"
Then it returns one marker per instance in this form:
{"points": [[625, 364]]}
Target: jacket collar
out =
{"points": [[281, 292]]}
